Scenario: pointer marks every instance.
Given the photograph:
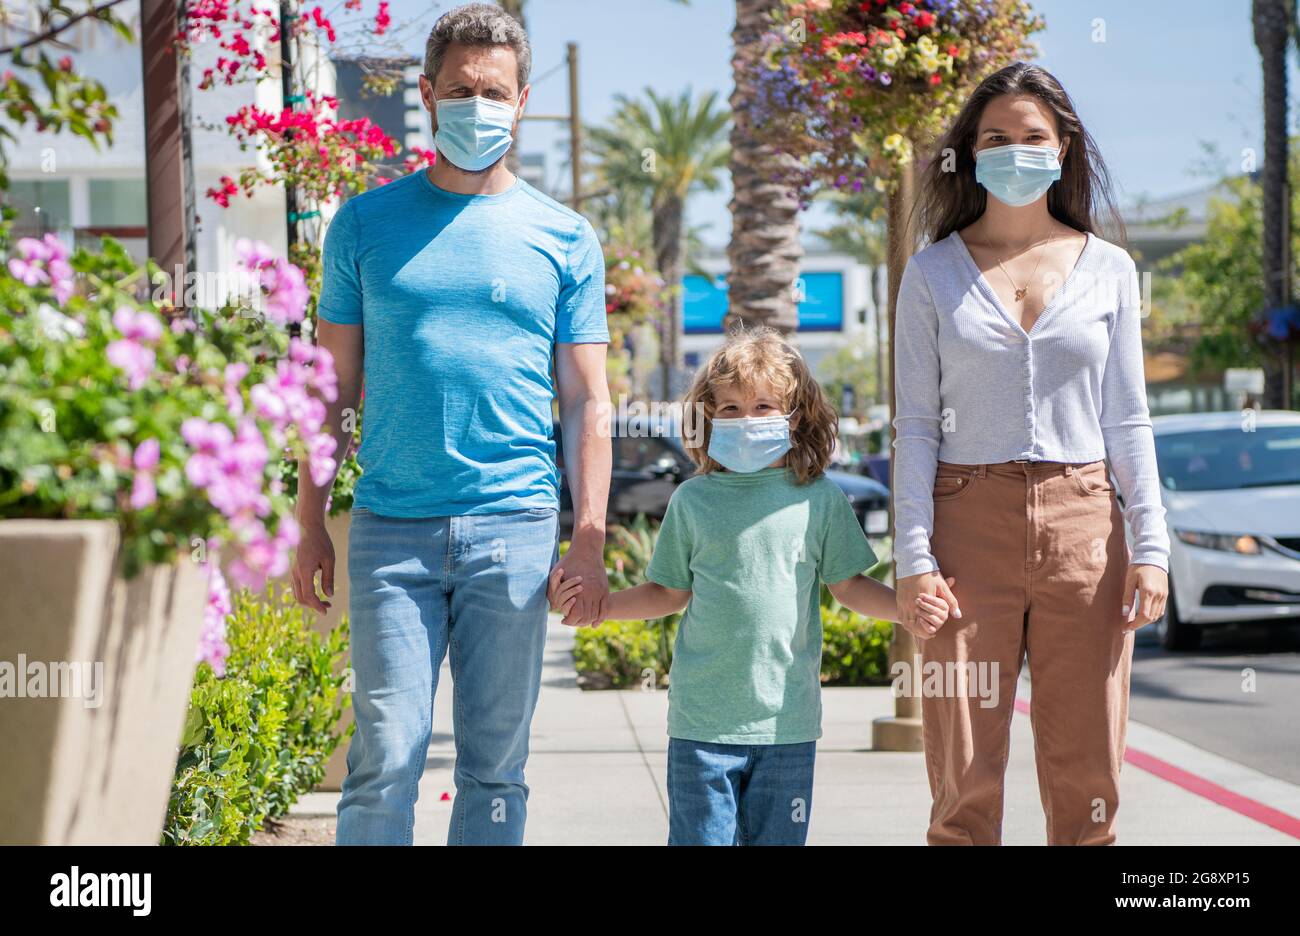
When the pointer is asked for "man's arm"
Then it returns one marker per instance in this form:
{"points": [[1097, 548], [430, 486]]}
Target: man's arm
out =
{"points": [[583, 392], [315, 550]]}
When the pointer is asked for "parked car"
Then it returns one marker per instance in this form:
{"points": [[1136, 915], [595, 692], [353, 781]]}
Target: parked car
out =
{"points": [[1231, 490], [648, 466]]}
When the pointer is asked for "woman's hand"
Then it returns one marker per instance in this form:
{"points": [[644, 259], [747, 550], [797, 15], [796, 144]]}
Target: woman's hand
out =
{"points": [[1151, 585], [917, 608]]}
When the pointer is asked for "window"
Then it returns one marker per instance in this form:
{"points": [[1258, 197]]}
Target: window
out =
{"points": [[43, 205], [117, 203]]}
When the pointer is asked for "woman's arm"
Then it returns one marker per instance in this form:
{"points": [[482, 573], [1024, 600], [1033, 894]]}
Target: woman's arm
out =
{"points": [[918, 425], [1131, 450], [917, 422], [1126, 429]]}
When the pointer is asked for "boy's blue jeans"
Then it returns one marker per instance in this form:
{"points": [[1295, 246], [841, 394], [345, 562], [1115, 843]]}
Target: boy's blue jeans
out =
{"points": [[475, 587], [739, 794]]}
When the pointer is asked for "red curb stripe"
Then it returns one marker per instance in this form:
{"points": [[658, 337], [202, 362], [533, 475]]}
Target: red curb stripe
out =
{"points": [[1222, 796]]}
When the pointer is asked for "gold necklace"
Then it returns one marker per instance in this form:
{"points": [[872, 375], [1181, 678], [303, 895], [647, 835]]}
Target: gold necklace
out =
{"points": [[1022, 290]]}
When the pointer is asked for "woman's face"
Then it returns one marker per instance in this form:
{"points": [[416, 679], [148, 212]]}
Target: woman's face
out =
{"points": [[1018, 118]]}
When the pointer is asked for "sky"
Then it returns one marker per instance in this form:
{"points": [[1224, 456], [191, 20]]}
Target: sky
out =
{"points": [[1168, 79]]}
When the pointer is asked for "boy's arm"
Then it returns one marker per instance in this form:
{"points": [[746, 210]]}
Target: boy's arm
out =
{"points": [[645, 601], [870, 598], [866, 596]]}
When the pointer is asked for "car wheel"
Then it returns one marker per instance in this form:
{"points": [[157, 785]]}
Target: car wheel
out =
{"points": [[1173, 633]]}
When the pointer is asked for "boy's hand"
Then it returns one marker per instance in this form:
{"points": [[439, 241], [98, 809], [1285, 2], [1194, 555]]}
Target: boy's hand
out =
{"points": [[931, 613], [563, 594]]}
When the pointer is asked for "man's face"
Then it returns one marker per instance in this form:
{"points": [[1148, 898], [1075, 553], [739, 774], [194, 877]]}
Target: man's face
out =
{"points": [[490, 72]]}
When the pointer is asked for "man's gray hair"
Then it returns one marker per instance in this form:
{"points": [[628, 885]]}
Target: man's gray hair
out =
{"points": [[477, 24]]}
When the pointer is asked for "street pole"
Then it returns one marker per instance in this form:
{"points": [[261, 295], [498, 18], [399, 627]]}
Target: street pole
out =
{"points": [[575, 127], [287, 16], [574, 119], [169, 171]]}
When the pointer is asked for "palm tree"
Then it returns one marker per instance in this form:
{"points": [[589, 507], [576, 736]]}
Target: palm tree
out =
{"points": [[1273, 20], [664, 148], [764, 251]]}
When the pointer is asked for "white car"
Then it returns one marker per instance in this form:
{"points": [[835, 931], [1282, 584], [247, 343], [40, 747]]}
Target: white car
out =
{"points": [[1230, 483]]}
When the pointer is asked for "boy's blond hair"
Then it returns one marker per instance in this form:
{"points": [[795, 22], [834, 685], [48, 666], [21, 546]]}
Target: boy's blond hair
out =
{"points": [[747, 358]]}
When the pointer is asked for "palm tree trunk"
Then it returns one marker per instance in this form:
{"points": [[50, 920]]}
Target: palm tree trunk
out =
{"points": [[667, 234], [1272, 22], [902, 730], [764, 252]]}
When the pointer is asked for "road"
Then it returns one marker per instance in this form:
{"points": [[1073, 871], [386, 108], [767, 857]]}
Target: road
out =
{"points": [[1208, 697]]}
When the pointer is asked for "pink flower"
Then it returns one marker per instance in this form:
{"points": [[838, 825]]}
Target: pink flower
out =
{"points": [[41, 262], [284, 288], [145, 460], [134, 359], [143, 492], [213, 648], [146, 455], [137, 325]]}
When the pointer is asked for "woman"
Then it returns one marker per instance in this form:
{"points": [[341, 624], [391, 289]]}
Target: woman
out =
{"points": [[1019, 373]]}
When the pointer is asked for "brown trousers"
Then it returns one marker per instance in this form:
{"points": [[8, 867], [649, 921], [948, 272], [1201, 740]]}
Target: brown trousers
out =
{"points": [[1039, 558]]}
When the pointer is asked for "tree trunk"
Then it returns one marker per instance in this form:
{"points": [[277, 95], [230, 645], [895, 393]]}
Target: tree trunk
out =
{"points": [[764, 252], [666, 231], [1271, 24], [902, 730]]}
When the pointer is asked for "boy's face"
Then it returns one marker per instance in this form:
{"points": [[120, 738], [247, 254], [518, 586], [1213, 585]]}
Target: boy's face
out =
{"points": [[734, 401]]}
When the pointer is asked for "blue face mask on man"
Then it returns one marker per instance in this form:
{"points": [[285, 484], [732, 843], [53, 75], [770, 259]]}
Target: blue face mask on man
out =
{"points": [[474, 132], [748, 443], [1017, 174]]}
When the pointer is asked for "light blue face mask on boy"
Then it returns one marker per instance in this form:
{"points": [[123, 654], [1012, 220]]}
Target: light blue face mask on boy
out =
{"points": [[748, 443], [1017, 174], [473, 132]]}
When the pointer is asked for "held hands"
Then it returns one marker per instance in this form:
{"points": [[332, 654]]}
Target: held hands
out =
{"points": [[1151, 585], [925, 602], [563, 594]]}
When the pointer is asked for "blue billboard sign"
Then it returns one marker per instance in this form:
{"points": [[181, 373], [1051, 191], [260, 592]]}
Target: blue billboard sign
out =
{"points": [[821, 302]]}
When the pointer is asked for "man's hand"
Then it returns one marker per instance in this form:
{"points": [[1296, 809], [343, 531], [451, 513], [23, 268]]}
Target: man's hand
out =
{"points": [[1151, 585], [586, 566], [315, 553], [918, 616], [562, 593]]}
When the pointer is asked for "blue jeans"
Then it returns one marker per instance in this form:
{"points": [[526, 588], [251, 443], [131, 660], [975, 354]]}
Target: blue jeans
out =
{"points": [[739, 794], [472, 586]]}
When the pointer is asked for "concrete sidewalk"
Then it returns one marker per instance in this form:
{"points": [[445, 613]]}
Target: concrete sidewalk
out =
{"points": [[597, 771]]}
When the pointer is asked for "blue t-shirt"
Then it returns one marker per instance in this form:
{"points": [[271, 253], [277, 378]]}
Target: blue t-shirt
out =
{"points": [[462, 298]]}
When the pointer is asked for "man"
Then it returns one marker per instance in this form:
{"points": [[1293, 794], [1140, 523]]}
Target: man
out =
{"points": [[454, 291]]}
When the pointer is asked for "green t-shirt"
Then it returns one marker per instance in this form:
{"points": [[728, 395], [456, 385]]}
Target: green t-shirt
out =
{"points": [[750, 548]]}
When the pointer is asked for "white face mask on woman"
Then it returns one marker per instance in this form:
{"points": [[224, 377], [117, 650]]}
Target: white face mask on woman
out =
{"points": [[1017, 174]]}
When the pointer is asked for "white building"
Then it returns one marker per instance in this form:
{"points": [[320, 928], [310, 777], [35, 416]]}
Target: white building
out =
{"points": [[62, 183]]}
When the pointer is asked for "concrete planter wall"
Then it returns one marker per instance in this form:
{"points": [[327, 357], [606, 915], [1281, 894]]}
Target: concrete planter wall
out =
{"points": [[77, 772]]}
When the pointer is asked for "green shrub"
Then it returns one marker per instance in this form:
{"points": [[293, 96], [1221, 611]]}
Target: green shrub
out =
{"points": [[617, 654], [855, 649], [259, 737]]}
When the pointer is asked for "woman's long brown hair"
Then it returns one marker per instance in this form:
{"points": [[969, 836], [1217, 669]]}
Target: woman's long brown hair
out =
{"points": [[949, 198]]}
